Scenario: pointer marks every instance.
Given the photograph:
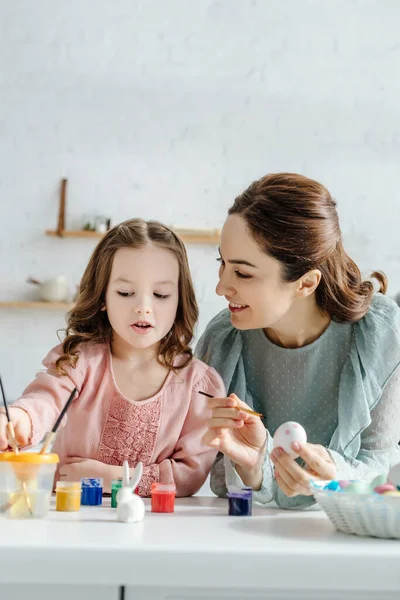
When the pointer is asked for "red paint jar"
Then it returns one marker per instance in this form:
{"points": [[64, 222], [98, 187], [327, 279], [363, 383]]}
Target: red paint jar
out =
{"points": [[163, 497]]}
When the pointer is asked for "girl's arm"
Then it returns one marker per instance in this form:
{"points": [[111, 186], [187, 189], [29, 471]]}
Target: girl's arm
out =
{"points": [[190, 464], [45, 397]]}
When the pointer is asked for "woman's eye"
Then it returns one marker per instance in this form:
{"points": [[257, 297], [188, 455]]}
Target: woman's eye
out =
{"points": [[220, 260], [125, 294], [161, 296], [241, 276]]}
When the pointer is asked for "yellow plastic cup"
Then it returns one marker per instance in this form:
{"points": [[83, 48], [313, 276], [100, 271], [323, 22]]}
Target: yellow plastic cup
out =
{"points": [[26, 484]]}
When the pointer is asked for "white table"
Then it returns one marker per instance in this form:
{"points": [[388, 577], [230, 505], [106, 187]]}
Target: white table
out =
{"points": [[197, 553]]}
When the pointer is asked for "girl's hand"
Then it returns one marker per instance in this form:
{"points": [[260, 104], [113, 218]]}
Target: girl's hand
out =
{"points": [[237, 434], [293, 479], [75, 468], [22, 427]]}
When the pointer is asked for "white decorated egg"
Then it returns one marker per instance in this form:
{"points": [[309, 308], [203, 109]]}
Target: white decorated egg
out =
{"points": [[286, 434], [394, 475]]}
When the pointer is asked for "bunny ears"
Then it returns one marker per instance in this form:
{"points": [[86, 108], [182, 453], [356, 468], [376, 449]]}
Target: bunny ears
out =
{"points": [[136, 475]]}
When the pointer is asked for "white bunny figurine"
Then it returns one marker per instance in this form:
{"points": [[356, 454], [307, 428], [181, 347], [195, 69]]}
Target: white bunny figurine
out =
{"points": [[130, 506]]}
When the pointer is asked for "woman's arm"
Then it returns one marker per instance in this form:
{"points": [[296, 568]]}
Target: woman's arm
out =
{"points": [[379, 442]]}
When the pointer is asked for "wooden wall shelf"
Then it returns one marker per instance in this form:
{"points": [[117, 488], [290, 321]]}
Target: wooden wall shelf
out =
{"points": [[210, 237], [188, 235], [32, 304]]}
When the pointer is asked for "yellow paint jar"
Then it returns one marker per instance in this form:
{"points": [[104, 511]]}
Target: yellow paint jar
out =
{"points": [[68, 496]]}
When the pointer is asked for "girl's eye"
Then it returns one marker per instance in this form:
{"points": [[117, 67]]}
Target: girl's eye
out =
{"points": [[241, 276], [125, 294], [220, 260], [161, 296]]}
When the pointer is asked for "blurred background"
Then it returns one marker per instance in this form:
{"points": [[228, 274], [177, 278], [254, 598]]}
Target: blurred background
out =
{"points": [[168, 109]]}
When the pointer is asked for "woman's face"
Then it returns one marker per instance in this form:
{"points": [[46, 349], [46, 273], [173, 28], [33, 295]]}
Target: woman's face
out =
{"points": [[251, 280]]}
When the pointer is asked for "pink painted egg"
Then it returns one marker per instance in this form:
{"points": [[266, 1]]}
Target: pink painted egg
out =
{"points": [[386, 487], [344, 483], [288, 433]]}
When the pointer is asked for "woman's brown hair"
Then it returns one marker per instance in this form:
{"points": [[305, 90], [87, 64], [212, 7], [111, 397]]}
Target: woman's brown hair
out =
{"points": [[294, 220], [86, 322]]}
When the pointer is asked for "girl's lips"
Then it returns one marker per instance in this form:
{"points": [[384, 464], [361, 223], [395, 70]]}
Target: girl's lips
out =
{"points": [[142, 329]]}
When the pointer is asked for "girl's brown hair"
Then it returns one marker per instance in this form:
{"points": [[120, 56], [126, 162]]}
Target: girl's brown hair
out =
{"points": [[86, 322], [294, 220]]}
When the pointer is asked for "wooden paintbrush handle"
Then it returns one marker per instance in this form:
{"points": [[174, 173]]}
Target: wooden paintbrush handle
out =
{"points": [[48, 440], [11, 437]]}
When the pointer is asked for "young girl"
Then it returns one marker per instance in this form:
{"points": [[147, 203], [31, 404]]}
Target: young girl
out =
{"points": [[127, 353]]}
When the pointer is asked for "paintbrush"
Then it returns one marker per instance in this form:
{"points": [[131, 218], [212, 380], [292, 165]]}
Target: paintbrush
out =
{"points": [[49, 437], [246, 410], [14, 445]]}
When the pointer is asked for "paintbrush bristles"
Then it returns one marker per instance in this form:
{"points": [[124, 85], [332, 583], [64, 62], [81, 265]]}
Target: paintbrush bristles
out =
{"points": [[246, 410]]}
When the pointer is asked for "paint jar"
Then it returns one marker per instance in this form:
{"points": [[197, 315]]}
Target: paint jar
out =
{"points": [[163, 497], [240, 501], [92, 491], [26, 484], [116, 485], [68, 496]]}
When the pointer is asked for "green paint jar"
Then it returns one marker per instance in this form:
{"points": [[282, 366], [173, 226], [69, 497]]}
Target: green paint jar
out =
{"points": [[116, 485]]}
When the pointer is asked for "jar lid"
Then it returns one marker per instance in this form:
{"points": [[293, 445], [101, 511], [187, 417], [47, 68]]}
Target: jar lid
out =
{"points": [[92, 482], [69, 485], [31, 458], [163, 488]]}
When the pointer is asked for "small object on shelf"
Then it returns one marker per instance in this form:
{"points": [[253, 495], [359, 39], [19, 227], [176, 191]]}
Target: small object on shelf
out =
{"points": [[101, 224], [52, 290], [89, 222], [163, 497], [240, 501], [92, 491], [98, 223], [68, 496]]}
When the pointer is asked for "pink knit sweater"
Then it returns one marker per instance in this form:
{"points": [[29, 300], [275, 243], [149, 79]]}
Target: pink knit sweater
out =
{"points": [[163, 432]]}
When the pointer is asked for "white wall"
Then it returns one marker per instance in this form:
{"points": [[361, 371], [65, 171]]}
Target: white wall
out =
{"points": [[168, 109]]}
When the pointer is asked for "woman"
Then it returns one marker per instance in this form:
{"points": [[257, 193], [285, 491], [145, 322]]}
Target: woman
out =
{"points": [[305, 339]]}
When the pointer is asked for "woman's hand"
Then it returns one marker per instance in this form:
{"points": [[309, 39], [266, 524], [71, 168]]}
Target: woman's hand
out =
{"points": [[293, 479], [240, 436]]}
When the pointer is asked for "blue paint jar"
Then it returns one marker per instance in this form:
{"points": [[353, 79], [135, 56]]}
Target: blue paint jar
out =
{"points": [[240, 501], [92, 491]]}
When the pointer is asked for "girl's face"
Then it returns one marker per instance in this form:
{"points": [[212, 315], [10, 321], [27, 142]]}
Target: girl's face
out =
{"points": [[142, 295], [251, 280]]}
